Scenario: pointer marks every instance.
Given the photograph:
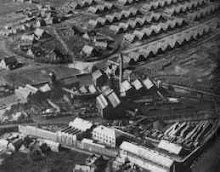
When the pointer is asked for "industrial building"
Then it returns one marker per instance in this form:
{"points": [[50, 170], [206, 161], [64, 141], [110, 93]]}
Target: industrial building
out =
{"points": [[145, 158], [108, 136]]}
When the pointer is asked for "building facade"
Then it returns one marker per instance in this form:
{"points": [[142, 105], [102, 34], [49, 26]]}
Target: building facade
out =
{"points": [[105, 135]]}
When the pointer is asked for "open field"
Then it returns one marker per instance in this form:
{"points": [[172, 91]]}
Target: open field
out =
{"points": [[54, 162]]}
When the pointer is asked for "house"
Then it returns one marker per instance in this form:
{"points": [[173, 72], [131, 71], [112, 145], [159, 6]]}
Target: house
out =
{"points": [[27, 39], [45, 88], [38, 33], [49, 20], [148, 83], [83, 168], [101, 45], [137, 84], [30, 53], [125, 88], [88, 50], [92, 89], [24, 92], [39, 23], [99, 78], [9, 63]]}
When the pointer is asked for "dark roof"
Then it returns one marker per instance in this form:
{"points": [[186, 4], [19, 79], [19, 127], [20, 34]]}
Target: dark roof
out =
{"points": [[10, 60]]}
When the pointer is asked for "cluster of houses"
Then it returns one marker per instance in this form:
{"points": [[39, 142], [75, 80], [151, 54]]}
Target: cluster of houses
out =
{"points": [[35, 18], [31, 45]]}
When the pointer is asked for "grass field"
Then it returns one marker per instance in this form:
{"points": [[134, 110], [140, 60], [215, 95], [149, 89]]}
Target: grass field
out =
{"points": [[54, 162], [36, 75]]}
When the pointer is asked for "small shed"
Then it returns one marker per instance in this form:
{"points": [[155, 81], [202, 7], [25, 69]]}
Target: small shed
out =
{"points": [[92, 89], [27, 39], [126, 88], [45, 88], [88, 50], [38, 33], [99, 78], [148, 83], [24, 92], [9, 63], [83, 168], [137, 84]]}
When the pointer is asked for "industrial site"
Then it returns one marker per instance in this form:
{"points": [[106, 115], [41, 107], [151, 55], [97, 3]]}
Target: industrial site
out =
{"points": [[109, 85]]}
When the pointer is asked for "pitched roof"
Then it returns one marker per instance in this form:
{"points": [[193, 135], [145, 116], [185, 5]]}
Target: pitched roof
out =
{"points": [[10, 60], [170, 147], [39, 32], [45, 88], [137, 84], [105, 130], [96, 74], [92, 89], [148, 83], [146, 153], [125, 86], [81, 124], [102, 101], [87, 49], [113, 98]]}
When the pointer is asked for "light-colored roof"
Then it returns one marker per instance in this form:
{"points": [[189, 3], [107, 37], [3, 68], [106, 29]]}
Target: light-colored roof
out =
{"points": [[170, 147], [39, 32], [147, 154], [113, 98], [83, 89], [92, 89], [125, 86], [148, 83], [102, 101], [106, 90], [27, 37], [87, 49], [81, 124], [25, 91], [45, 88], [91, 142], [137, 84], [96, 74], [105, 130]]}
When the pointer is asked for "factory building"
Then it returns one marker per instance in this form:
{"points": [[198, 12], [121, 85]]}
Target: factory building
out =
{"points": [[145, 158], [170, 147], [80, 124], [105, 135], [75, 130]]}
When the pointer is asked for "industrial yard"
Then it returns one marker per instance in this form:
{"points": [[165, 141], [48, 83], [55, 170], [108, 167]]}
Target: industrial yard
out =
{"points": [[109, 85]]}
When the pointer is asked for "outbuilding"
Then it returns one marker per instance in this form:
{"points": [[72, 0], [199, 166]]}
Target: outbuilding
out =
{"points": [[9, 63]]}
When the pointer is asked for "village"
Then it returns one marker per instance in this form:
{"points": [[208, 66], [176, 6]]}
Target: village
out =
{"points": [[122, 85]]}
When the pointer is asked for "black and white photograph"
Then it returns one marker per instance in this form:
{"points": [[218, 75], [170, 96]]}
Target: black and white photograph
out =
{"points": [[109, 85]]}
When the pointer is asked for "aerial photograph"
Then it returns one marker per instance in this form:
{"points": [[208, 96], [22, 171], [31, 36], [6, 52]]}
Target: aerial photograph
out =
{"points": [[109, 86]]}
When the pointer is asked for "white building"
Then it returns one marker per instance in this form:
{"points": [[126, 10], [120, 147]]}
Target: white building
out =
{"points": [[23, 92], [170, 147], [105, 135], [80, 124], [145, 158]]}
